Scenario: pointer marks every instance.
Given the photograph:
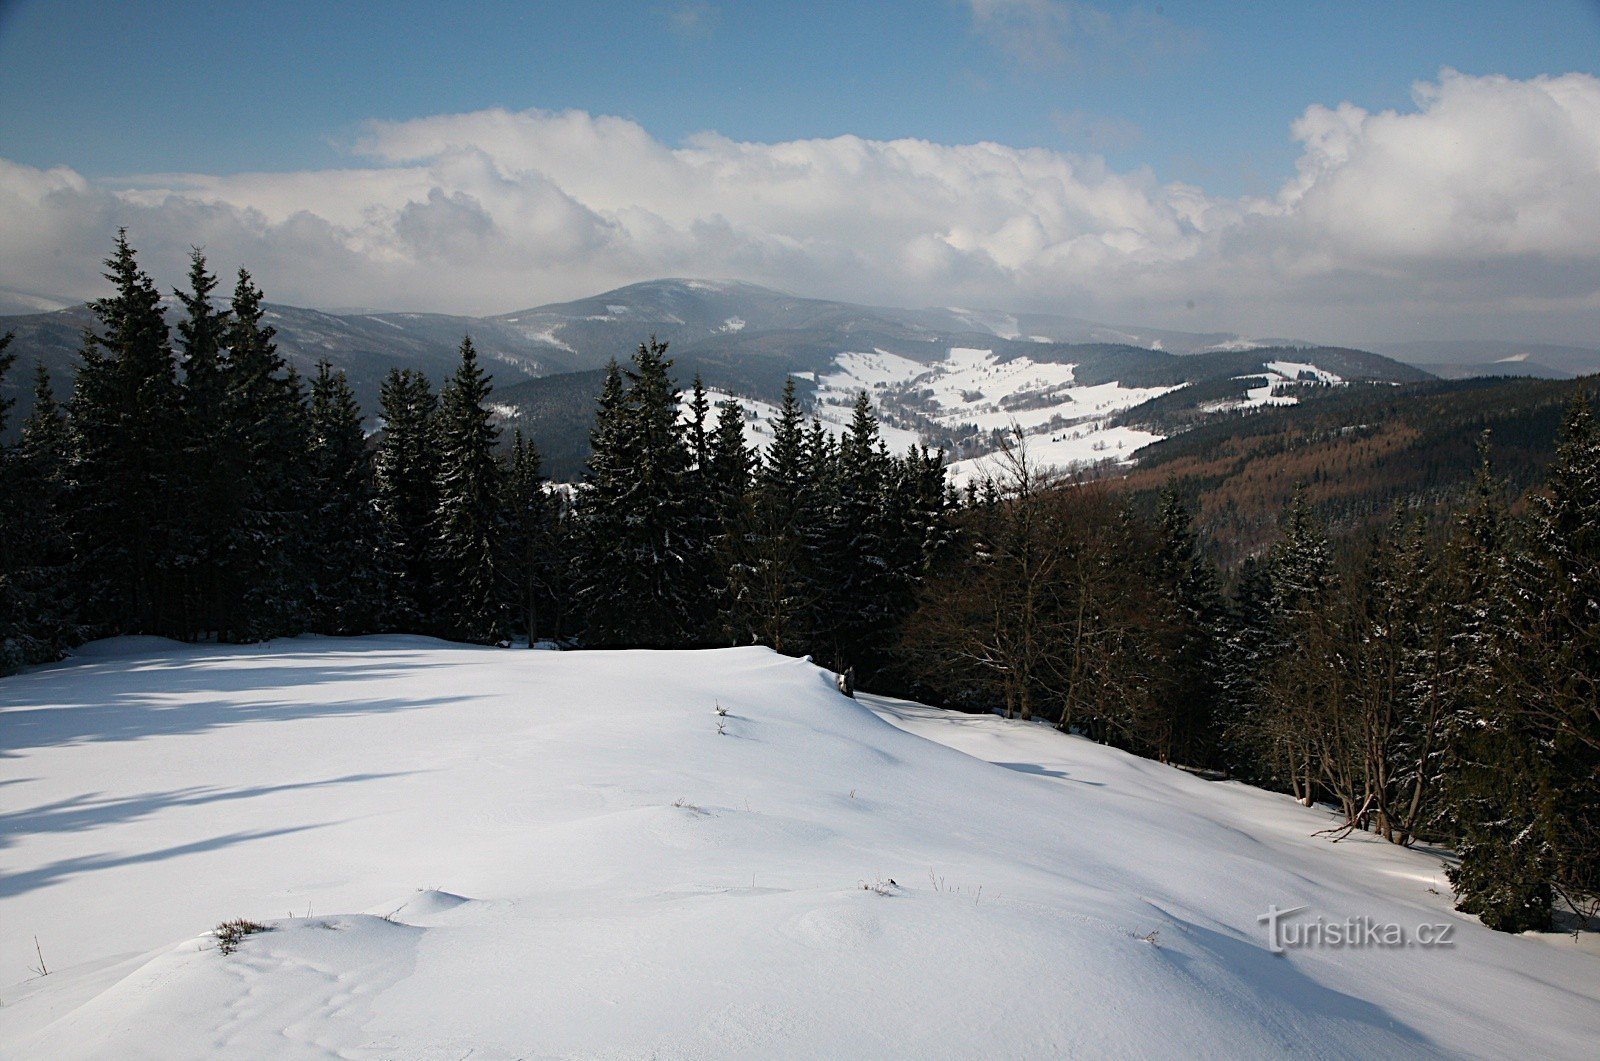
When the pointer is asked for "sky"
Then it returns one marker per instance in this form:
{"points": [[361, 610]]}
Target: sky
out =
{"points": [[1341, 171]]}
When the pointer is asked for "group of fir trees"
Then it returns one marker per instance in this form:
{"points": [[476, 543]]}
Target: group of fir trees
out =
{"points": [[687, 536], [193, 486], [1441, 681], [196, 487]]}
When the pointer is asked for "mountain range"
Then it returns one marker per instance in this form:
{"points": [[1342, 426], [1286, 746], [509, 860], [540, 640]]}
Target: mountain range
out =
{"points": [[951, 377]]}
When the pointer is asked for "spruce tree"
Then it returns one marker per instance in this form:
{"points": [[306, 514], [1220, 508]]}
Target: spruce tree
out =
{"points": [[15, 634], [777, 595], [639, 531], [601, 511], [269, 428], [344, 582], [1497, 777], [1187, 585], [211, 481], [128, 428], [48, 574], [408, 498], [729, 480], [855, 540], [534, 558], [1553, 666], [467, 546], [702, 531]]}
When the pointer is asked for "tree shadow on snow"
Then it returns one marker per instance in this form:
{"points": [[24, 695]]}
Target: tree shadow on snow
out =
{"points": [[92, 810], [1045, 771], [128, 699], [1301, 1013], [20, 883]]}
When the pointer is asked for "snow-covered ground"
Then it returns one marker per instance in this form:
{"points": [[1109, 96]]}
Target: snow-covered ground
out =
{"points": [[1066, 423], [759, 416], [468, 851]]}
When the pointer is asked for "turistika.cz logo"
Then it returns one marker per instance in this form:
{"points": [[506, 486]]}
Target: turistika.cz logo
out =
{"points": [[1285, 933]]}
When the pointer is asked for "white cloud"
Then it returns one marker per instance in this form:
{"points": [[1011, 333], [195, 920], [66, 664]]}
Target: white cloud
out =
{"points": [[1477, 204]]}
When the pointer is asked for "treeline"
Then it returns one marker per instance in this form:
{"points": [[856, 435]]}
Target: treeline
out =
{"points": [[1436, 681], [194, 486]]}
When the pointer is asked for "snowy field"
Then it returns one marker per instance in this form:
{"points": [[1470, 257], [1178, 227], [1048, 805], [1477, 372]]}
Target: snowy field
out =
{"points": [[465, 851]]}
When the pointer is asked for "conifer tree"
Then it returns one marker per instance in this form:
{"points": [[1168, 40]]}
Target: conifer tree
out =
{"points": [[1187, 585], [408, 497], [212, 475], [269, 433], [48, 574], [16, 648], [1498, 778], [702, 533], [777, 593], [535, 558], [1549, 662], [639, 533], [853, 558], [602, 512], [128, 429], [467, 545], [344, 582], [729, 480]]}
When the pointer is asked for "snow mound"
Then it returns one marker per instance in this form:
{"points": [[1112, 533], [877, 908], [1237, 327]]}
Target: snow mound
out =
{"points": [[816, 880]]}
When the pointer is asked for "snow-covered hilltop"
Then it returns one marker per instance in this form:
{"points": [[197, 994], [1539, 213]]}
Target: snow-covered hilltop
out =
{"points": [[469, 850]]}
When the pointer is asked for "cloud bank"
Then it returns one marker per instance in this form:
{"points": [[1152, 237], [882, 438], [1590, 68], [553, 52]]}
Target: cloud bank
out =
{"points": [[1475, 209]]}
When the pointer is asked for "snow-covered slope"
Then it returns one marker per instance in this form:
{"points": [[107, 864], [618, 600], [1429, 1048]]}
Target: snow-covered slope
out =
{"points": [[464, 851]]}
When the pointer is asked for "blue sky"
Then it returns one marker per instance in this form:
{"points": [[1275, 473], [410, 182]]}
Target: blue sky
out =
{"points": [[1203, 93], [1345, 171]]}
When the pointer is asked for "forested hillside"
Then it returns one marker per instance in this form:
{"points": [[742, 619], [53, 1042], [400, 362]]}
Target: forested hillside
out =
{"points": [[1360, 453]]}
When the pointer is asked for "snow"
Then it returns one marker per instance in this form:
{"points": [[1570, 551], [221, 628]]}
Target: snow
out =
{"points": [[1067, 424], [759, 417], [1281, 378], [547, 336], [1089, 443], [507, 853]]}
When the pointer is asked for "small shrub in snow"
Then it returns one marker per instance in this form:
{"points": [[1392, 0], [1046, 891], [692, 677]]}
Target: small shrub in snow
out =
{"points": [[231, 933], [683, 804]]}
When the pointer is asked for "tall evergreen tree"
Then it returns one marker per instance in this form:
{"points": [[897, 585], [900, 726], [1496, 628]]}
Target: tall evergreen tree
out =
{"points": [[1498, 779], [702, 532], [408, 497], [211, 480], [344, 581], [853, 557], [729, 480], [1550, 665], [777, 593], [639, 534], [48, 575], [1188, 694], [127, 422], [270, 430], [468, 527], [536, 560]]}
